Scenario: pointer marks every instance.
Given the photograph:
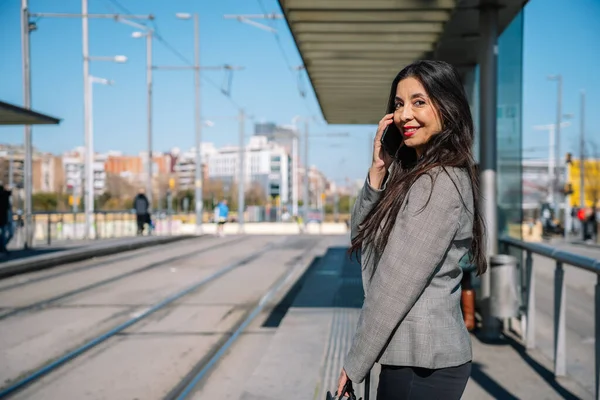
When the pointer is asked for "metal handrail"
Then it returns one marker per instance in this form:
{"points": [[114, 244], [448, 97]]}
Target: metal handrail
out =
{"points": [[122, 221], [587, 263], [528, 318]]}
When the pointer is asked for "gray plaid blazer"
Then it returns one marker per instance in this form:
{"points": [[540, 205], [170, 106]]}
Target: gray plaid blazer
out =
{"points": [[411, 314]]}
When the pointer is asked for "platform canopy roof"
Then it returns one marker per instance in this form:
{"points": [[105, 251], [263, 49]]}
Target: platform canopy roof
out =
{"points": [[352, 49], [15, 115]]}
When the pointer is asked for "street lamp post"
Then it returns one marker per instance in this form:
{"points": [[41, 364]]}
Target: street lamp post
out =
{"points": [[242, 174], [148, 34], [89, 139], [582, 152], [89, 151], [197, 116], [26, 28], [305, 197], [198, 179], [198, 125], [89, 180], [558, 79], [295, 174], [552, 160]]}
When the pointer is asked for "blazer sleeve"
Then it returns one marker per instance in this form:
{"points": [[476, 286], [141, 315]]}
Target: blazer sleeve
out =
{"points": [[422, 234], [367, 199]]}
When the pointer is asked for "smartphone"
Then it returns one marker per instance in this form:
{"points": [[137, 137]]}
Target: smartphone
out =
{"points": [[392, 140]]}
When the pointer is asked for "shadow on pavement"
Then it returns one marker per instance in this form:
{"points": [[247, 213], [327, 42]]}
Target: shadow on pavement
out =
{"points": [[489, 384], [542, 371], [332, 280]]}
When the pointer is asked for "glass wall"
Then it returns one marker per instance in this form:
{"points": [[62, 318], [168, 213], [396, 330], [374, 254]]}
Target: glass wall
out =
{"points": [[509, 128], [509, 125]]}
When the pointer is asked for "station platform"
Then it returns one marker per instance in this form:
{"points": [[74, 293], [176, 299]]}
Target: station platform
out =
{"points": [[315, 325], [18, 261]]}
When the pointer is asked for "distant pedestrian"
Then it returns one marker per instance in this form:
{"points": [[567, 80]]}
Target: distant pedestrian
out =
{"points": [[10, 223], [221, 215], [141, 205], [416, 216], [4, 212]]}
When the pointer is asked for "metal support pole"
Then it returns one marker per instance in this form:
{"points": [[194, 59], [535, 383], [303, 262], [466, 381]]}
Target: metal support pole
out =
{"points": [[27, 139], [305, 198], [198, 123], [582, 153], [557, 153], [597, 336], [149, 112], [566, 219], [242, 175], [488, 25], [560, 350], [10, 168], [530, 331], [552, 164], [295, 174], [89, 162], [89, 179]]}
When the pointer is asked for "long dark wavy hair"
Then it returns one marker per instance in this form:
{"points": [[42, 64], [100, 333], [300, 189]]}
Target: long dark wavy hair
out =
{"points": [[452, 147]]}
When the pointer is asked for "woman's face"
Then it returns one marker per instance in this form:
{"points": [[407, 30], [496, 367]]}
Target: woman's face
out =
{"points": [[414, 114]]}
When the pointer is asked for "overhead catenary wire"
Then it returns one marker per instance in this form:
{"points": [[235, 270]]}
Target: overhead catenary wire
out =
{"points": [[186, 61], [174, 51]]}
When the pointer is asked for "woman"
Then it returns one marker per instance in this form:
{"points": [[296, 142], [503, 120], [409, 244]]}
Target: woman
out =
{"points": [[415, 218]]}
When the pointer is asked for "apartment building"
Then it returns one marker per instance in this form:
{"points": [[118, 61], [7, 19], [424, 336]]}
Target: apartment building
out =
{"points": [[12, 165], [48, 173], [47, 169], [134, 168], [74, 172], [266, 163]]}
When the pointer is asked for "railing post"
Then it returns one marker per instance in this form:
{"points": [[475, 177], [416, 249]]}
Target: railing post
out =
{"points": [[62, 227], [560, 356], [49, 230], [530, 314], [103, 224], [597, 335]]}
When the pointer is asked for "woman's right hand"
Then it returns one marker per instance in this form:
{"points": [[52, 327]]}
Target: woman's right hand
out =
{"points": [[381, 159]]}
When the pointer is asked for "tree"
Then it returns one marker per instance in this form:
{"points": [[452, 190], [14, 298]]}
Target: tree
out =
{"points": [[344, 203], [45, 201], [103, 200], [255, 195], [180, 197], [119, 187]]}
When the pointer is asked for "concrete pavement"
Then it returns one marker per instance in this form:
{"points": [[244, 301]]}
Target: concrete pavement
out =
{"points": [[150, 358], [295, 347], [60, 253], [320, 324], [579, 297]]}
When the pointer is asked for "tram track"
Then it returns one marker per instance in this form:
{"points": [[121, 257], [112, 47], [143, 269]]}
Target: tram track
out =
{"points": [[70, 355], [199, 373], [105, 260], [95, 285]]}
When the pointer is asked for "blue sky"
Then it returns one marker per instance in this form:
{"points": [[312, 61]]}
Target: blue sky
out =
{"points": [[560, 37]]}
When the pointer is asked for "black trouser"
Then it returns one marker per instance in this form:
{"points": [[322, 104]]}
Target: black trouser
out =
{"points": [[141, 220], [410, 383]]}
